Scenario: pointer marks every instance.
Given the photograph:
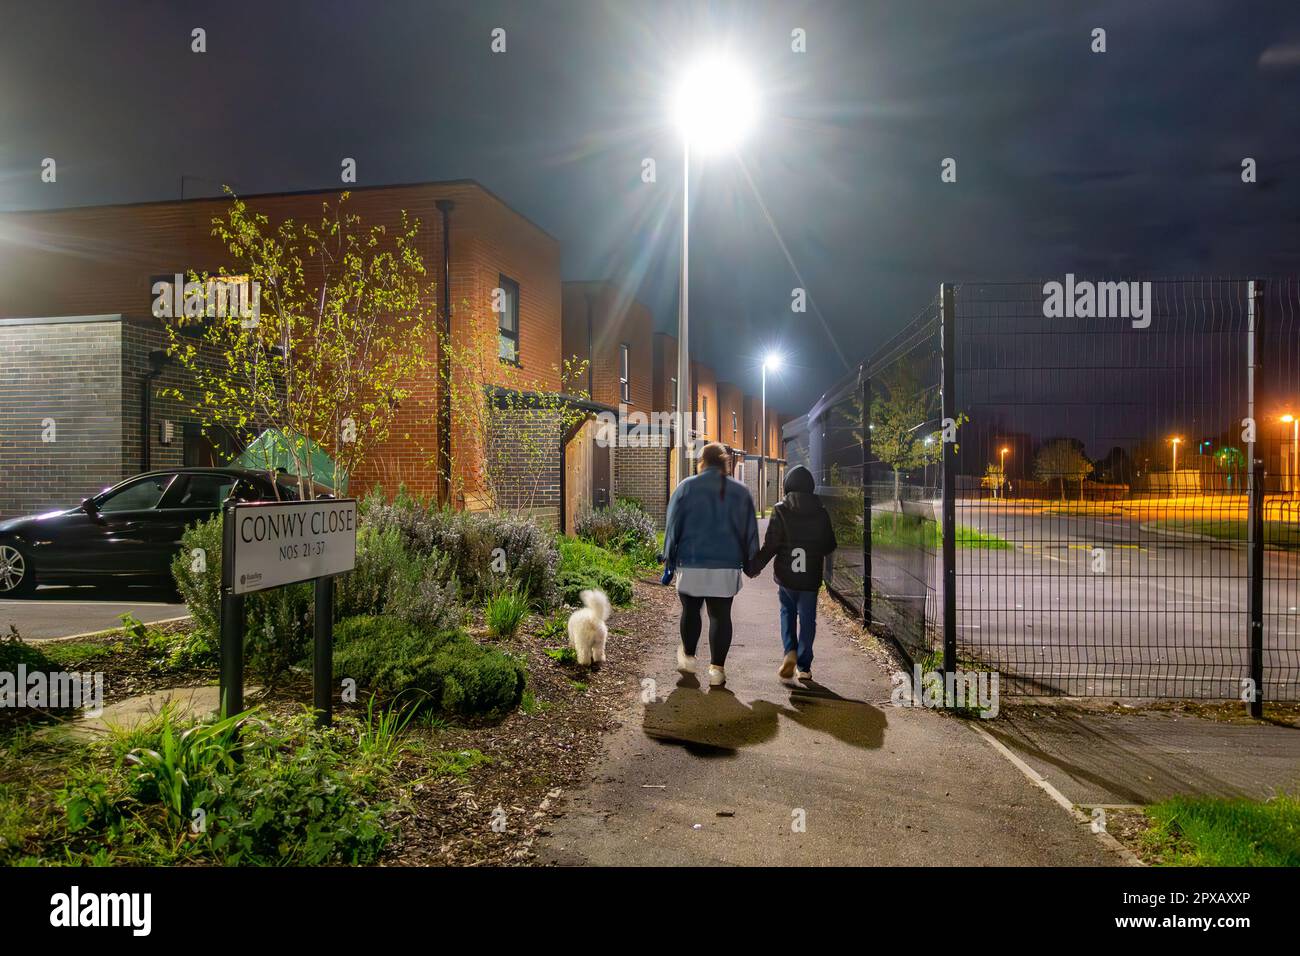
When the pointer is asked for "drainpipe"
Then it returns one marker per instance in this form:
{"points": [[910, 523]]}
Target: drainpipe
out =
{"points": [[445, 206], [157, 359]]}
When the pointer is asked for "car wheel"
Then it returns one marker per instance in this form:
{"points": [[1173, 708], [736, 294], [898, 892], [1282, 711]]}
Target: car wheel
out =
{"points": [[17, 576]]}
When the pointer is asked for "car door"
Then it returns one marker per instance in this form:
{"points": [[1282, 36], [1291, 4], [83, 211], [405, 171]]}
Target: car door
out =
{"points": [[125, 521], [192, 498]]}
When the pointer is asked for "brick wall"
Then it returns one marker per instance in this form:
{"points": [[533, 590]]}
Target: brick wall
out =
{"points": [[704, 391], [731, 400], [664, 370], [524, 445], [69, 372], [612, 318], [642, 473]]}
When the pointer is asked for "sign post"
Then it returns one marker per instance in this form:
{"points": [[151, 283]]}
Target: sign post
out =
{"points": [[272, 544]]}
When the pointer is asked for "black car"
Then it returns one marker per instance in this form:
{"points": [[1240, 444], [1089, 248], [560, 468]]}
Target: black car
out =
{"points": [[128, 533]]}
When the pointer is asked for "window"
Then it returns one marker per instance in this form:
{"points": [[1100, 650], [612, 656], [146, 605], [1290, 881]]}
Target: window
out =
{"points": [[704, 414], [199, 491], [141, 495], [508, 321], [673, 393], [624, 387], [735, 428]]}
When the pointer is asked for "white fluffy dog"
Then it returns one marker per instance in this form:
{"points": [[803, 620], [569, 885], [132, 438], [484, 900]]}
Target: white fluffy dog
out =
{"points": [[587, 630]]}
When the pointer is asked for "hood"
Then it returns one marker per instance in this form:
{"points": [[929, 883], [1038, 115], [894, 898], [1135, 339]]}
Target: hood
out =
{"points": [[14, 525], [799, 479]]}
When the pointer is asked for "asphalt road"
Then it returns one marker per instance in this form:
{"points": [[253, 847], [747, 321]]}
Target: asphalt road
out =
{"points": [[64, 611]]}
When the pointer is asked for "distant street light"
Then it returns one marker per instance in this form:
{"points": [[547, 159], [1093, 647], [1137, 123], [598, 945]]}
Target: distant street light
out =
{"points": [[715, 105], [1294, 470], [773, 362], [1002, 463]]}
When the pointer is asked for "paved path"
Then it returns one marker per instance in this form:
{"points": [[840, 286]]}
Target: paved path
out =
{"points": [[719, 776]]}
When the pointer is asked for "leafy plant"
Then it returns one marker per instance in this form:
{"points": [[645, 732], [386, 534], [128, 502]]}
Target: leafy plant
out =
{"points": [[623, 527], [504, 612]]}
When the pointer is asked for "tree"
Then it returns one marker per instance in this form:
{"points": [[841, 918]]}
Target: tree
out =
{"points": [[994, 478], [342, 324], [1060, 459], [899, 411]]}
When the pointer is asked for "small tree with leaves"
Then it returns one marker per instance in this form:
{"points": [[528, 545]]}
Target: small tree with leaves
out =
{"points": [[899, 411], [1060, 460], [343, 326]]}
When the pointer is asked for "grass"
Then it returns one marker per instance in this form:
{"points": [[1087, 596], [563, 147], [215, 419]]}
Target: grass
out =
{"points": [[909, 531], [505, 611], [578, 555], [456, 763], [1205, 831], [75, 652], [562, 655], [1278, 534]]}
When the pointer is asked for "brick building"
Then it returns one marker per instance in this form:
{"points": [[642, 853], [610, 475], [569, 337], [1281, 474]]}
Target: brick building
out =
{"points": [[81, 350], [731, 415]]}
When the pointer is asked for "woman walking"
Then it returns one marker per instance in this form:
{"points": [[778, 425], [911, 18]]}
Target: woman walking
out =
{"points": [[710, 535]]}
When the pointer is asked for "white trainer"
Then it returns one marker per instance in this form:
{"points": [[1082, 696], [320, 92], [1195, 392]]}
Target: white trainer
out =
{"points": [[685, 662], [717, 676], [787, 666], [804, 675]]}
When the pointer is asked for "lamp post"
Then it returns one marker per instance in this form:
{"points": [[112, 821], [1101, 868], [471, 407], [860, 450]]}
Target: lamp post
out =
{"points": [[773, 362], [1173, 480], [714, 107], [1002, 464]]}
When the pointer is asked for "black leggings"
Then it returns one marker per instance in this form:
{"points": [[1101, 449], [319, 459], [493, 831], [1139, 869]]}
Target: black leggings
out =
{"points": [[719, 625]]}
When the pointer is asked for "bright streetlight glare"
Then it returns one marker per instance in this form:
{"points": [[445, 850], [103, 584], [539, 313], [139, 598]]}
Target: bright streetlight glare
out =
{"points": [[1288, 419], [715, 105], [772, 362]]}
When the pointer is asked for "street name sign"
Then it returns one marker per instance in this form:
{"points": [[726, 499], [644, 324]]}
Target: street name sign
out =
{"points": [[283, 542]]}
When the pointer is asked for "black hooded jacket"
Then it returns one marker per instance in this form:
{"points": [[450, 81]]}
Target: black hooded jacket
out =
{"points": [[798, 522]]}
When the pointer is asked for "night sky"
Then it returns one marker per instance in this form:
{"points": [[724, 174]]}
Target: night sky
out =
{"points": [[1121, 163]]}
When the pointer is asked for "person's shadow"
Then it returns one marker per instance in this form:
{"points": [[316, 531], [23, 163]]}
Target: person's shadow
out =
{"points": [[717, 724]]}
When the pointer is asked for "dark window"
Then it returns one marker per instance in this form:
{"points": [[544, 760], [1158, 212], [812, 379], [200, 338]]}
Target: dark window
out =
{"points": [[734, 428], [704, 414], [207, 448], [199, 491], [508, 321], [673, 393], [140, 495], [624, 385]]}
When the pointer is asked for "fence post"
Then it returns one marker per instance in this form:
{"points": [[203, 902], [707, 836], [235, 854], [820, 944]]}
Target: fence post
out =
{"points": [[866, 497], [948, 340], [1255, 537]]}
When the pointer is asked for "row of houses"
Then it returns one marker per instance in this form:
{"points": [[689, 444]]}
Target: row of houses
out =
{"points": [[81, 350]]}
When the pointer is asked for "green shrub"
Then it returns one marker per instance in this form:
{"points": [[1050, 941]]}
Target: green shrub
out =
{"points": [[277, 622], [617, 587], [446, 671], [471, 543], [294, 798], [169, 650], [623, 527], [390, 579], [504, 612], [15, 651]]}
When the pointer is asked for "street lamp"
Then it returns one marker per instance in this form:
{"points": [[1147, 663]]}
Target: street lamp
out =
{"points": [[1002, 463], [1294, 422], [715, 105], [773, 362]]}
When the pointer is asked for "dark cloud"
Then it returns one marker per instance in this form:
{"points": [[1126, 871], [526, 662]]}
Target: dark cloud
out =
{"points": [[1127, 161]]}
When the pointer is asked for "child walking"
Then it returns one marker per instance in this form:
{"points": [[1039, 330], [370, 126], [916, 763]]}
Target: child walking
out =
{"points": [[800, 537]]}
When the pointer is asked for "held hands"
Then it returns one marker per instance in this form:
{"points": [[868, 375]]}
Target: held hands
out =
{"points": [[667, 576]]}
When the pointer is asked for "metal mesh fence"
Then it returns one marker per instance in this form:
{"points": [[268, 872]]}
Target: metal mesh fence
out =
{"points": [[1103, 485], [1124, 479]]}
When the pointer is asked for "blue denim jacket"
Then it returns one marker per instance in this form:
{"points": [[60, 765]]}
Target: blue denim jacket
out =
{"points": [[705, 529]]}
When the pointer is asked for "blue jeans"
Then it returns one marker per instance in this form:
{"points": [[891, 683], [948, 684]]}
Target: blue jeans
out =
{"points": [[798, 623]]}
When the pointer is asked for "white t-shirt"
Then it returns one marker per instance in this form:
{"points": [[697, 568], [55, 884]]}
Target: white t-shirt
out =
{"points": [[708, 582]]}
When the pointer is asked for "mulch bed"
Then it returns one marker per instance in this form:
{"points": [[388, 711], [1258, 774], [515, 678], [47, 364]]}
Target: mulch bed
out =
{"points": [[534, 757]]}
